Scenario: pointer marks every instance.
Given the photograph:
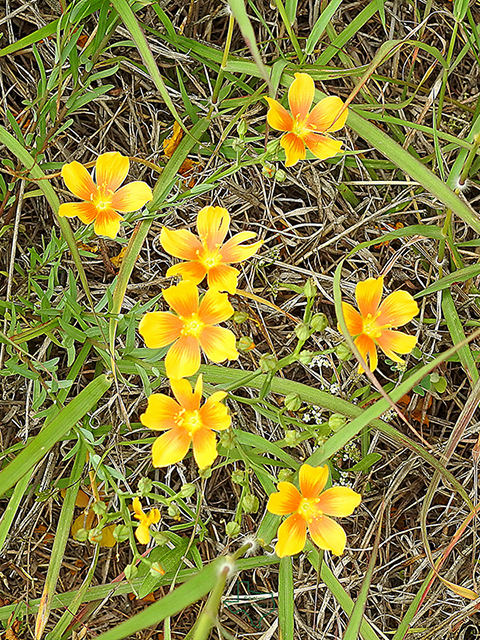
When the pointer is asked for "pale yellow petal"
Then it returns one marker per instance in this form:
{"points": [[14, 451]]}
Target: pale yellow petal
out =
{"points": [[326, 116], [321, 146], [159, 328], [212, 226], [183, 392], [328, 534], [160, 413], [170, 447], [219, 344], [86, 211], [183, 298], [215, 307], [397, 309], [393, 342], [294, 149], [183, 358], [107, 223], [204, 447], [181, 244]]}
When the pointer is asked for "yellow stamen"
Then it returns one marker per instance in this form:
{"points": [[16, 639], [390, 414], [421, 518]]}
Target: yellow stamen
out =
{"points": [[192, 326]]}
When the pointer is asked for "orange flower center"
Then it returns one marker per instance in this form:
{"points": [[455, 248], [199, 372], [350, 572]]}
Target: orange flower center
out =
{"points": [[103, 199], [189, 420], [299, 128], [371, 328], [210, 259], [192, 326], [308, 509]]}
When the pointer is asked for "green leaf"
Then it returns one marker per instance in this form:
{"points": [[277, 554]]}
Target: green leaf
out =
{"points": [[285, 599], [367, 462], [169, 559]]}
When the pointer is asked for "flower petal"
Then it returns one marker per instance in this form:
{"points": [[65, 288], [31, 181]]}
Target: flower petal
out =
{"points": [[278, 117], [170, 447], [86, 211], [108, 539], [181, 244], [292, 535], [353, 319], [324, 116], [195, 272], [131, 197], [218, 344], [159, 328], [160, 413], [286, 501], [212, 226], [79, 181], [328, 534], [368, 295], [186, 396], [107, 223], [111, 169], [153, 517], [223, 278], [339, 501], [312, 480], [137, 509], [367, 347], [183, 358], [214, 414], [214, 307], [397, 309], [142, 533], [204, 447], [321, 146], [294, 149], [233, 251], [300, 96], [183, 298], [393, 342]]}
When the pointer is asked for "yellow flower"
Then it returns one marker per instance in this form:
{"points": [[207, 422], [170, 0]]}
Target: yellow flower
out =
{"points": [[372, 327], [103, 200], [304, 128], [142, 532], [310, 508], [191, 329], [207, 256], [185, 422]]}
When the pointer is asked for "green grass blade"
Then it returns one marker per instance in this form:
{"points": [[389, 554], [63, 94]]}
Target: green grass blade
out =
{"points": [[457, 334], [36, 36], [462, 275], [11, 510], [285, 599], [53, 432], [320, 26]]}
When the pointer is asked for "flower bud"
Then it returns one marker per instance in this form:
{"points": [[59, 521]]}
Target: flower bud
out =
{"points": [[160, 538], [273, 147], [302, 332], [205, 473], [187, 490], [268, 362], [238, 145], [245, 343], [336, 421], [285, 475], [121, 532], [238, 476], [250, 503], [305, 357], [242, 128], [290, 438], [268, 170], [240, 316], [310, 289], [130, 571], [144, 486], [319, 322], [232, 529], [173, 511], [99, 508], [227, 439], [81, 535], [343, 352], [280, 175], [293, 402], [95, 535], [156, 569]]}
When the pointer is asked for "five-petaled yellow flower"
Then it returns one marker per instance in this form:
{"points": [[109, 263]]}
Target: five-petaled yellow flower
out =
{"points": [[207, 256], [310, 508], [372, 327], [304, 128], [191, 329], [142, 532], [102, 201], [185, 422]]}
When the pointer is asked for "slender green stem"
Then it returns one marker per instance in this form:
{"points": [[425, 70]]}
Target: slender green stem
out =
{"points": [[221, 71], [443, 88]]}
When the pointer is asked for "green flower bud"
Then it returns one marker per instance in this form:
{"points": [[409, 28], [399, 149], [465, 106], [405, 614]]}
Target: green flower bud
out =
{"points": [[310, 289], [290, 438], [130, 571], [343, 352], [187, 490], [319, 322], [95, 535], [273, 147], [205, 473], [336, 421], [81, 535], [238, 145], [268, 362], [268, 170], [302, 332], [121, 532], [144, 486], [280, 175], [305, 357], [232, 529], [156, 569], [245, 343], [227, 439], [242, 128], [99, 508], [240, 316], [250, 503], [293, 402], [173, 510], [285, 475], [238, 476]]}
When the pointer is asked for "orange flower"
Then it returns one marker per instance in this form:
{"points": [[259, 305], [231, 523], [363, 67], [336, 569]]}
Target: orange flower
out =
{"points": [[304, 128], [185, 422], [191, 329], [372, 327], [207, 256], [142, 532], [311, 508], [101, 201]]}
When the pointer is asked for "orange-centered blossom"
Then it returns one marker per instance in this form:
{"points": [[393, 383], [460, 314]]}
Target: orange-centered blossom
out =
{"points": [[102, 201], [185, 422], [374, 325], [305, 127], [142, 532], [191, 329], [207, 255], [311, 508]]}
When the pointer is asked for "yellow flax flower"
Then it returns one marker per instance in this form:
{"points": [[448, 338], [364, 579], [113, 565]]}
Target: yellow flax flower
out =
{"points": [[207, 256], [142, 532], [185, 422], [305, 127], [191, 329], [373, 326], [311, 508], [102, 201]]}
